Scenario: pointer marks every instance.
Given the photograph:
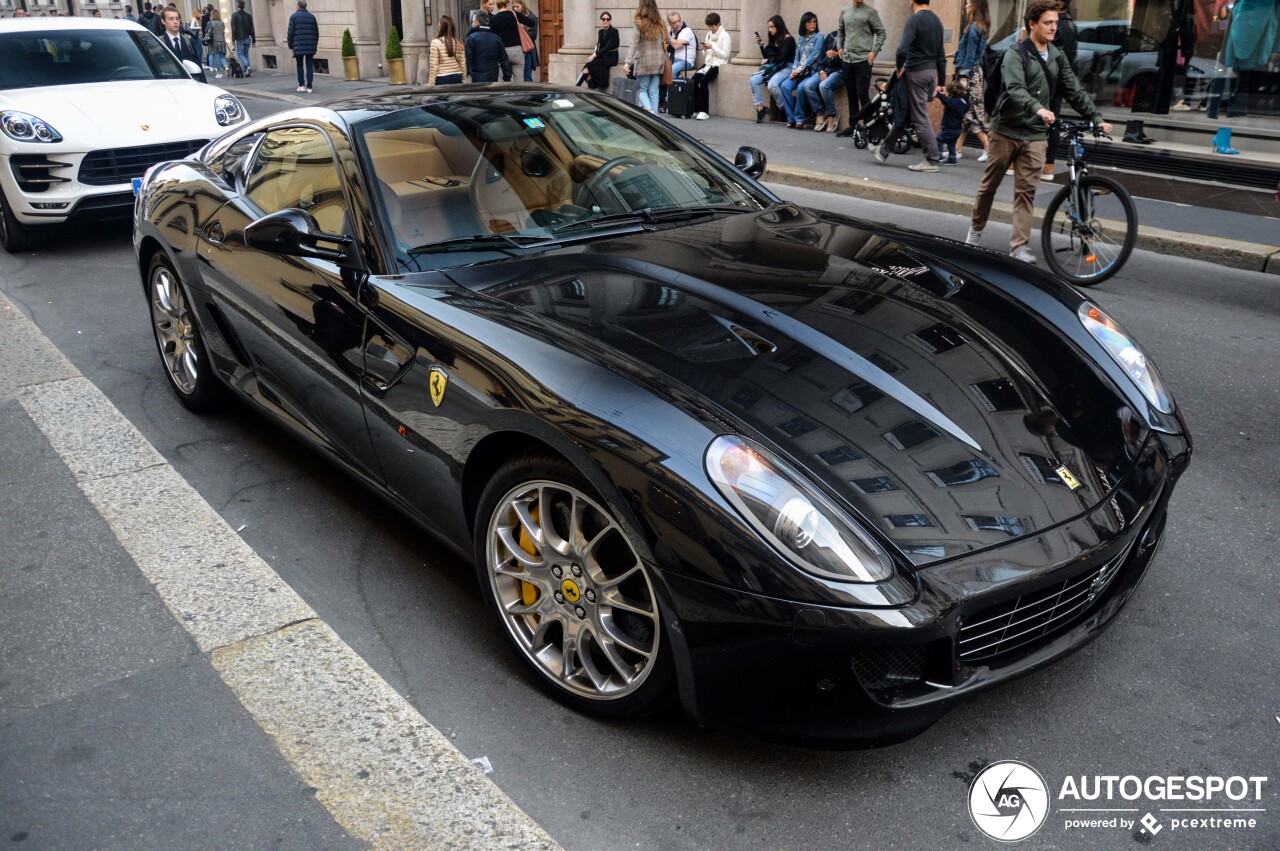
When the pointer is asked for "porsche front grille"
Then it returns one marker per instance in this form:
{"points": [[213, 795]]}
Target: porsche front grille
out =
{"points": [[121, 165], [1024, 623]]}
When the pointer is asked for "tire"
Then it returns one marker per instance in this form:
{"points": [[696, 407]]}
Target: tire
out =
{"points": [[859, 138], [1111, 230], [902, 145], [14, 235], [600, 613], [178, 340]]}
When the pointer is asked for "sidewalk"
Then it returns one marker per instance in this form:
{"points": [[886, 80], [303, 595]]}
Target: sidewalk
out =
{"points": [[1234, 227]]}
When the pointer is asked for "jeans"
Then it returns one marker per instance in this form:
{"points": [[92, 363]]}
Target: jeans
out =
{"points": [[649, 91], [305, 63], [448, 79], [528, 66], [822, 98], [947, 140], [242, 51], [807, 95], [218, 62], [679, 66], [761, 78], [793, 97]]}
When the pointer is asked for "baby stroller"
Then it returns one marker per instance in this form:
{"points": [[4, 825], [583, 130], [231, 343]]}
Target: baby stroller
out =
{"points": [[874, 121]]}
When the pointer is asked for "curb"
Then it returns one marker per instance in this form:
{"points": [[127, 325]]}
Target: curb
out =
{"points": [[1235, 254]]}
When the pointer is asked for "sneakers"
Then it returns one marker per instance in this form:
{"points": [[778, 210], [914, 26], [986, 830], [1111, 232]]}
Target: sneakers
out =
{"points": [[217, 76], [959, 155], [880, 155], [1024, 254], [982, 157], [974, 237], [302, 88], [924, 165], [845, 133], [308, 90], [701, 116], [951, 161]]}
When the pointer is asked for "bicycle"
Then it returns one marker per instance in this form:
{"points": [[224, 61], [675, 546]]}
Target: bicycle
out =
{"points": [[1091, 225]]}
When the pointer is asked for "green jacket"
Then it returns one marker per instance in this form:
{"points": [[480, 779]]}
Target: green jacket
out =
{"points": [[860, 32], [1026, 92]]}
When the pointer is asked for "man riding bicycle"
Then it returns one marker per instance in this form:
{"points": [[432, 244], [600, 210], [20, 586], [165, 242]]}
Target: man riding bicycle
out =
{"points": [[1033, 70]]}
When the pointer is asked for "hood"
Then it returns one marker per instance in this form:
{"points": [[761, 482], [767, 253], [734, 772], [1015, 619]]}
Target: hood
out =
{"points": [[111, 115], [929, 400]]}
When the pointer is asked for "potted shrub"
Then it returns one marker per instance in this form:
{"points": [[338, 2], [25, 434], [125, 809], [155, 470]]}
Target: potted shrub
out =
{"points": [[350, 64], [395, 58]]}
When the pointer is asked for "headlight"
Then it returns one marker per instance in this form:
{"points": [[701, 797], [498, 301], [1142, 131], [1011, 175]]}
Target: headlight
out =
{"points": [[799, 522], [227, 110], [24, 127], [1132, 359]]}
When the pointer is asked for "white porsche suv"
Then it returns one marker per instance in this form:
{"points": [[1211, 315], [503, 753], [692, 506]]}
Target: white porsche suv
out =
{"points": [[86, 106]]}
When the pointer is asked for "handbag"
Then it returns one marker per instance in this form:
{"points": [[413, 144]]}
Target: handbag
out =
{"points": [[526, 43], [805, 72], [666, 71]]}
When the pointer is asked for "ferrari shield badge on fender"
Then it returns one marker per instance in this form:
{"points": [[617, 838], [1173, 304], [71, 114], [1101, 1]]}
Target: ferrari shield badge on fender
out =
{"points": [[439, 380], [1068, 478]]}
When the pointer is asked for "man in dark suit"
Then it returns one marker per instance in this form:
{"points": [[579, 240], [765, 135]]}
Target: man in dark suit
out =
{"points": [[176, 38]]}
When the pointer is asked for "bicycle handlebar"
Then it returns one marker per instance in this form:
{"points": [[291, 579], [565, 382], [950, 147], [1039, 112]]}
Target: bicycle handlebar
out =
{"points": [[1081, 127]]}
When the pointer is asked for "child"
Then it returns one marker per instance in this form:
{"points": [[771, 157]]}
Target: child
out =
{"points": [[956, 101]]}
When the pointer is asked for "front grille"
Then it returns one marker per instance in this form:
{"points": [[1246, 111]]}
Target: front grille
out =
{"points": [[882, 668], [1031, 620], [34, 172], [121, 165]]}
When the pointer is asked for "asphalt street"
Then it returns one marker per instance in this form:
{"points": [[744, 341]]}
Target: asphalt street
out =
{"points": [[1186, 682]]}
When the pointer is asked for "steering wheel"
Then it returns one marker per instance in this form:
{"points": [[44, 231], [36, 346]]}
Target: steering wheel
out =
{"points": [[596, 186], [122, 72]]}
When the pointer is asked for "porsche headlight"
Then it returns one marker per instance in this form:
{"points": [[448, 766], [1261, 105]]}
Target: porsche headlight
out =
{"points": [[1128, 354], [228, 110], [24, 127], [793, 516]]}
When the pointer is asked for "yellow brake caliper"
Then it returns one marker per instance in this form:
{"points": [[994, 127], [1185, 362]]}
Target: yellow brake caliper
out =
{"points": [[528, 591]]}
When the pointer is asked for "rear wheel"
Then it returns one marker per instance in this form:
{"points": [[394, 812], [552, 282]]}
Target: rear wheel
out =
{"points": [[14, 235], [178, 339], [1088, 245], [570, 591], [902, 145]]}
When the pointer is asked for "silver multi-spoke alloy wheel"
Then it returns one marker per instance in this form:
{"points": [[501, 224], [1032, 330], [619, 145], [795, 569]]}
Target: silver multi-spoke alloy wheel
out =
{"points": [[175, 332], [572, 591]]}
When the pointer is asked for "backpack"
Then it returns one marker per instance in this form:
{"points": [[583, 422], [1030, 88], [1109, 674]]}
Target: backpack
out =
{"points": [[993, 74]]}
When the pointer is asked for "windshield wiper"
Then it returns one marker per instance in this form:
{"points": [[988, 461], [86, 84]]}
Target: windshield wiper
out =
{"points": [[650, 216], [500, 241]]}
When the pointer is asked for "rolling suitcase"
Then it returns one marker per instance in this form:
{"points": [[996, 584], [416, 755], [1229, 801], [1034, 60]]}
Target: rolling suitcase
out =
{"points": [[680, 98], [625, 88]]}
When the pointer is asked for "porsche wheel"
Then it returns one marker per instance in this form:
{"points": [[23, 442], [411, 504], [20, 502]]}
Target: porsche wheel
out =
{"points": [[573, 597], [14, 235], [178, 340]]}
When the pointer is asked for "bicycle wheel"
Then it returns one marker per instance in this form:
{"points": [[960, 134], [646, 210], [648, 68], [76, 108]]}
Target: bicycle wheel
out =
{"points": [[1087, 246]]}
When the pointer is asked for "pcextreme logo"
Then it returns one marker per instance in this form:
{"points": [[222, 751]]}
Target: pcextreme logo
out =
{"points": [[1009, 801]]}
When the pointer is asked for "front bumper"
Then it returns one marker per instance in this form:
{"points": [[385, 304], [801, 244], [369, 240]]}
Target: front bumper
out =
{"points": [[868, 677]]}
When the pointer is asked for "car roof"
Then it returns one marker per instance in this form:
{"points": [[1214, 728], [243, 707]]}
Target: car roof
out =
{"points": [[29, 24]]}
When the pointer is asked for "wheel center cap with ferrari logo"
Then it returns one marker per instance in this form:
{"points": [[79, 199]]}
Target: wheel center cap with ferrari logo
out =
{"points": [[570, 590]]}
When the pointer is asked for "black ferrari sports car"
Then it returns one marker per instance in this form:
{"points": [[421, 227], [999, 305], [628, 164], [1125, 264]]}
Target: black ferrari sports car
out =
{"points": [[813, 476]]}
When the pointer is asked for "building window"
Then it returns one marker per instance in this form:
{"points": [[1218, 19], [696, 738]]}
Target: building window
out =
{"points": [[797, 426], [839, 455], [855, 397], [875, 484], [793, 358], [964, 473], [745, 396], [938, 339], [910, 434], [888, 365], [906, 521], [998, 395], [1011, 526], [1042, 468]]}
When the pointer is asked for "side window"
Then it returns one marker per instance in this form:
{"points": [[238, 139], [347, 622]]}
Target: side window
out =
{"points": [[294, 169]]}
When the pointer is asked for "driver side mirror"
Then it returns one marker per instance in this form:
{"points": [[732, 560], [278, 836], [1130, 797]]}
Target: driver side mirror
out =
{"points": [[196, 72], [295, 233], [750, 161]]}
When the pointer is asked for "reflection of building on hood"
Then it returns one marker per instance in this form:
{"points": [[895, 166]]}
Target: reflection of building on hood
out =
{"points": [[1253, 34]]}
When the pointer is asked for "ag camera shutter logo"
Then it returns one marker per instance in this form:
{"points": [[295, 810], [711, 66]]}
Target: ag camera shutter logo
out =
{"points": [[1008, 800]]}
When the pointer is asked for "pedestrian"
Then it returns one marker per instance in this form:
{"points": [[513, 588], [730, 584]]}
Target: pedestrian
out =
{"points": [[922, 65], [215, 38], [243, 34], [969, 56], [716, 46], [776, 56], [1032, 70], [648, 57], [595, 72], [955, 105], [128, 14], [822, 97], [448, 61], [1066, 40], [485, 54], [860, 36], [803, 70], [151, 20], [303, 38], [532, 64], [196, 30], [506, 24], [22, 13], [682, 44], [179, 43]]}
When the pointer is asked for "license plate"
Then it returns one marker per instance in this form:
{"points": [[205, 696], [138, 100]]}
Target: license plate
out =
{"points": [[137, 185]]}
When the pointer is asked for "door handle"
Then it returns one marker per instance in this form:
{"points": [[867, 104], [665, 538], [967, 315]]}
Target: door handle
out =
{"points": [[214, 234]]}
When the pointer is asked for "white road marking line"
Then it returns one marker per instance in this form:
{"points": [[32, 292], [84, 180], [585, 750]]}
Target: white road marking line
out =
{"points": [[382, 771]]}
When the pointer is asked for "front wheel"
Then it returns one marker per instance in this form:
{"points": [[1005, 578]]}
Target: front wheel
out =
{"points": [[570, 592], [1086, 245], [14, 235], [179, 341]]}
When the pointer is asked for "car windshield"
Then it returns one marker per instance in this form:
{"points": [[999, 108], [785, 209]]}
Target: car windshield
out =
{"points": [[520, 169], [70, 57]]}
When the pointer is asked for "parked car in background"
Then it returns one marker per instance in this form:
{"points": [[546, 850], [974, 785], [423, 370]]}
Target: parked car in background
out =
{"points": [[86, 106]]}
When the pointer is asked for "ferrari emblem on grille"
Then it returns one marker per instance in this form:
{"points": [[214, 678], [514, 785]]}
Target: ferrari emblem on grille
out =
{"points": [[439, 380], [1067, 477]]}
